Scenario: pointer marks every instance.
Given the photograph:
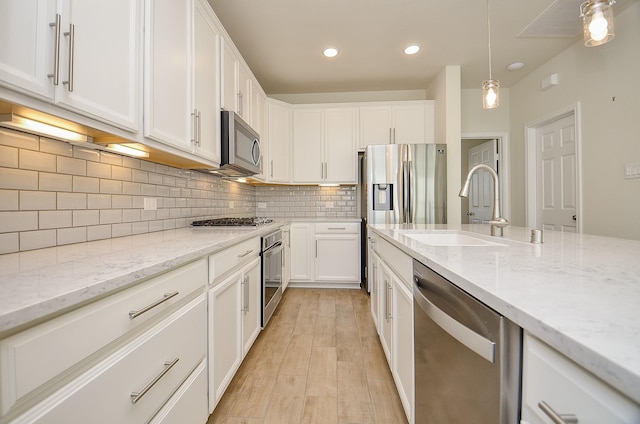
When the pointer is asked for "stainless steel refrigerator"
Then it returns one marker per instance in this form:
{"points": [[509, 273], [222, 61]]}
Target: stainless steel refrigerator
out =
{"points": [[402, 184]]}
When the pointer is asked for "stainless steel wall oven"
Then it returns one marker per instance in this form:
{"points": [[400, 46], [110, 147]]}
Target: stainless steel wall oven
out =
{"points": [[271, 253]]}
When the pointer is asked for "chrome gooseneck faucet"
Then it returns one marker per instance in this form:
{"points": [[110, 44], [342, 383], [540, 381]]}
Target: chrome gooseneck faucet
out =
{"points": [[497, 222]]}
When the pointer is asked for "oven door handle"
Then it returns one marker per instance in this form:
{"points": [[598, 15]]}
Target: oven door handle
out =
{"points": [[273, 247]]}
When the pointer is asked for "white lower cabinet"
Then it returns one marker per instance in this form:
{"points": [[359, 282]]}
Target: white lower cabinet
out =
{"points": [[392, 309], [286, 257], [554, 382], [325, 254], [131, 384], [234, 312]]}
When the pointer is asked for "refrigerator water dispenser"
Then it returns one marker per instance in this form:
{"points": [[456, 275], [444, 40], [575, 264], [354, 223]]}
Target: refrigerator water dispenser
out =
{"points": [[383, 197]]}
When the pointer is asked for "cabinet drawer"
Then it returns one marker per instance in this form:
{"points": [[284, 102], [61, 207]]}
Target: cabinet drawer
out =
{"points": [[229, 258], [568, 389], [34, 356], [104, 393], [337, 227], [396, 259]]}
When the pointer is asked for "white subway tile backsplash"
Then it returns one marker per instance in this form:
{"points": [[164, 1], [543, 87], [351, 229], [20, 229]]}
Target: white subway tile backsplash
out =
{"points": [[110, 158], [55, 147], [86, 184], [155, 178], [86, 153], [120, 173], [9, 200], [140, 227], [71, 235], [155, 226], [132, 163], [110, 216], [148, 166], [131, 215], [19, 139], [18, 221], [98, 170], [121, 202], [37, 200], [130, 188], [72, 201], [83, 218], [55, 219], [54, 182], [110, 186], [9, 156], [99, 201], [98, 232], [30, 240], [121, 230], [18, 179], [139, 176], [71, 166], [9, 243]]}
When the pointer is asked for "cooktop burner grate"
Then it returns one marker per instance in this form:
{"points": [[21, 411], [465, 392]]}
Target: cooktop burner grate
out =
{"points": [[232, 222]]}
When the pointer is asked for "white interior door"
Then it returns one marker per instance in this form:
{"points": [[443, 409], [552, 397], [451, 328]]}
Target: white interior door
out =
{"points": [[556, 175], [481, 193]]}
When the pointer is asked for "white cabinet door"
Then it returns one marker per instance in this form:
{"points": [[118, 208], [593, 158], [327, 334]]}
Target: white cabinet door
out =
{"points": [[259, 115], [27, 40], [308, 148], [168, 45], [337, 257], [373, 280], [386, 304], [402, 344], [251, 304], [567, 388], [375, 125], [340, 149], [206, 46], [229, 77], [409, 124], [302, 252], [99, 55], [244, 94], [278, 168], [225, 335], [286, 260], [103, 59]]}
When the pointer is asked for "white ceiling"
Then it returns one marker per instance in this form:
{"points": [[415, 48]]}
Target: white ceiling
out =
{"points": [[282, 40]]}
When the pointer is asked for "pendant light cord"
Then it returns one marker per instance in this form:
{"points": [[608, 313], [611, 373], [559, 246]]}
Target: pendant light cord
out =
{"points": [[489, 38]]}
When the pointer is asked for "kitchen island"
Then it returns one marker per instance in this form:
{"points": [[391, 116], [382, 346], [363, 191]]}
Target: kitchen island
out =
{"points": [[577, 293]]}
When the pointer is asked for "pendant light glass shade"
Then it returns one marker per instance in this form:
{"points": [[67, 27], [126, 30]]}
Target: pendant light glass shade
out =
{"points": [[597, 19], [490, 94], [490, 87]]}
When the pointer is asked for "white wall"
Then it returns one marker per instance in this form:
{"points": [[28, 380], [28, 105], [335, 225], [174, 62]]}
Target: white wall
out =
{"points": [[475, 119], [605, 80], [445, 90]]}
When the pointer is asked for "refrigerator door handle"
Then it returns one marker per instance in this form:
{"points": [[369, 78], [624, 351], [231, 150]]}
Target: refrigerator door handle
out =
{"points": [[406, 193], [411, 191]]}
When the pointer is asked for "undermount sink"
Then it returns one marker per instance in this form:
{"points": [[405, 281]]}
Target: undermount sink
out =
{"points": [[450, 239]]}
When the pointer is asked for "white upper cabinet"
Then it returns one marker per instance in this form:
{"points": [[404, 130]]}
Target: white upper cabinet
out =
{"points": [[278, 167], [236, 84], [84, 55], [180, 76], [324, 145], [206, 71], [408, 122]]}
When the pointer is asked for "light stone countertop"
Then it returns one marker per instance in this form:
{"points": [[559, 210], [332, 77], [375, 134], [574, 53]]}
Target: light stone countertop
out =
{"points": [[578, 293], [38, 284]]}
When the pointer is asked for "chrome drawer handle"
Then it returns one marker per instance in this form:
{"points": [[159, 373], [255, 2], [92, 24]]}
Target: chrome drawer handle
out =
{"points": [[167, 296], [337, 228], [555, 417], [136, 396], [245, 254]]}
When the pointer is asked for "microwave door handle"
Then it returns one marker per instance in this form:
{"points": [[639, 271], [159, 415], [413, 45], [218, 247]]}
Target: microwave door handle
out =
{"points": [[255, 148]]}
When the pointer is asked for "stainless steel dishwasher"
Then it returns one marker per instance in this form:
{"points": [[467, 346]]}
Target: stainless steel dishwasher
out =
{"points": [[467, 356]]}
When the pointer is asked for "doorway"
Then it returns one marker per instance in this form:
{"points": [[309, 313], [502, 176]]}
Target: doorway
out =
{"points": [[553, 172], [491, 149]]}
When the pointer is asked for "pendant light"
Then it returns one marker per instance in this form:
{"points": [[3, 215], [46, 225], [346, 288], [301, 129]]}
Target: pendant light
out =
{"points": [[597, 21], [490, 87]]}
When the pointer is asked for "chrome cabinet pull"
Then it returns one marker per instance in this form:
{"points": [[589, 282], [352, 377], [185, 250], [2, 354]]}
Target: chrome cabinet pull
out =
{"points": [[389, 301], [199, 127], [245, 294], [245, 254], [555, 417], [56, 52], [337, 228], [167, 296], [271, 168], [136, 396], [193, 127], [72, 43], [390, 136]]}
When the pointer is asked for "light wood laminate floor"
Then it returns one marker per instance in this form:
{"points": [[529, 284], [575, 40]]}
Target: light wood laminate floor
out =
{"points": [[319, 360]]}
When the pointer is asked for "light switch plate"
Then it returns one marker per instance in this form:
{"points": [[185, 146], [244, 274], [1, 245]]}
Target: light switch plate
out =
{"points": [[150, 204]]}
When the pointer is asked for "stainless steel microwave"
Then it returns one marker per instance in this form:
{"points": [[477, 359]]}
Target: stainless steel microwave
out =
{"points": [[240, 147]]}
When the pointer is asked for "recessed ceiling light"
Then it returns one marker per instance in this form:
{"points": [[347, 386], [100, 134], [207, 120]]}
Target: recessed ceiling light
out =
{"points": [[515, 66], [412, 49], [330, 52]]}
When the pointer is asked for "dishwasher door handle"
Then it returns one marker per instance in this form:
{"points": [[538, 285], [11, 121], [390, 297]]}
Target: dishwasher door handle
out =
{"points": [[480, 345]]}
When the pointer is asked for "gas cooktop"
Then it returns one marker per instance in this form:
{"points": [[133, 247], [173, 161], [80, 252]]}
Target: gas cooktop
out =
{"points": [[232, 222]]}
